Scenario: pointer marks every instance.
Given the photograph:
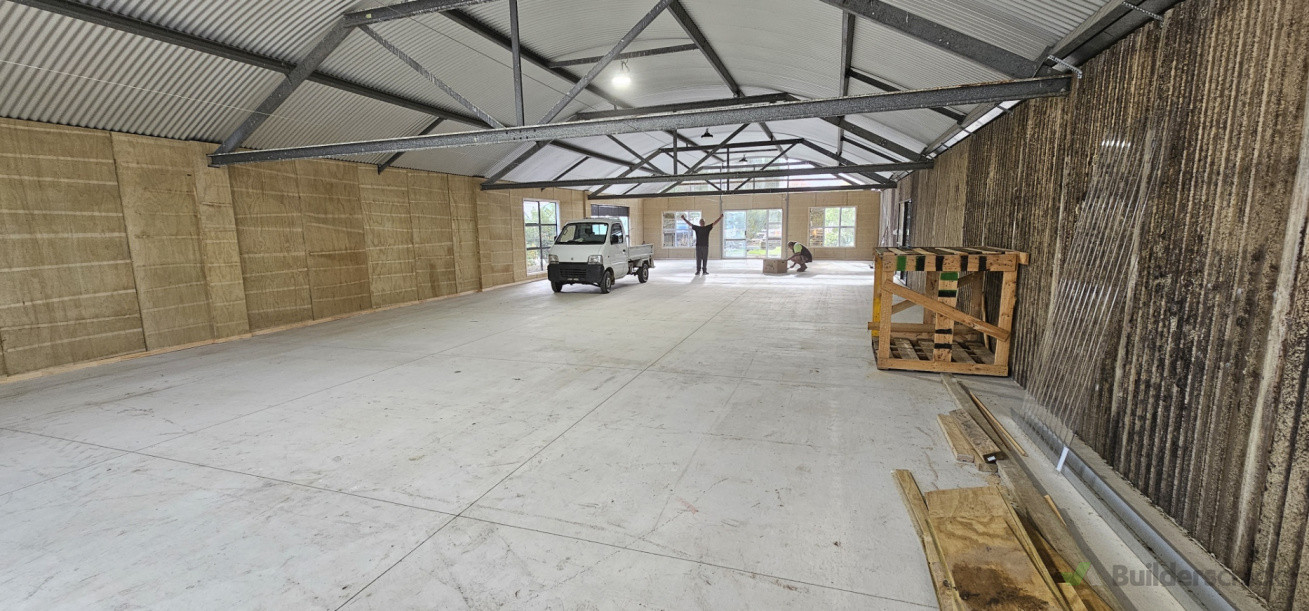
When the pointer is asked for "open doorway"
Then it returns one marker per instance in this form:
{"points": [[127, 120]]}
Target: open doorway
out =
{"points": [[752, 234]]}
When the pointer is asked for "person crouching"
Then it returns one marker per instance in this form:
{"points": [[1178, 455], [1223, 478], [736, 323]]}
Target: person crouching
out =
{"points": [[800, 256]]}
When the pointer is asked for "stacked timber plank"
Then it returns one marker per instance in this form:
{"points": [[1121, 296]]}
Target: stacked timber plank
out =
{"points": [[1000, 546], [949, 339]]}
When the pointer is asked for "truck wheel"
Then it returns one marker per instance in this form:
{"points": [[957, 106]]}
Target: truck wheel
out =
{"points": [[557, 286], [644, 273], [607, 282]]}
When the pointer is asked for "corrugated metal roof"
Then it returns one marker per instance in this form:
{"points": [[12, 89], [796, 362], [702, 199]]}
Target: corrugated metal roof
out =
{"points": [[61, 70]]}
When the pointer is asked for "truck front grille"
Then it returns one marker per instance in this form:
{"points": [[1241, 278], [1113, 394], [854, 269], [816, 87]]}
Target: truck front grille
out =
{"points": [[572, 271]]}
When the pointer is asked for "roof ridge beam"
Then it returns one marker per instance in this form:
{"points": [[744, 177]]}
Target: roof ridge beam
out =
{"points": [[941, 37]]}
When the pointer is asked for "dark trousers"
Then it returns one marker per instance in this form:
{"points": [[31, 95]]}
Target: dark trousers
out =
{"points": [[702, 258]]}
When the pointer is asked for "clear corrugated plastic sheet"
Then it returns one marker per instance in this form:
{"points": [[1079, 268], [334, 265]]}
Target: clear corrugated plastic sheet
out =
{"points": [[1090, 284]]}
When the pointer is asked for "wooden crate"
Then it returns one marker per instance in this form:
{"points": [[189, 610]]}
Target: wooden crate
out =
{"points": [[948, 339]]}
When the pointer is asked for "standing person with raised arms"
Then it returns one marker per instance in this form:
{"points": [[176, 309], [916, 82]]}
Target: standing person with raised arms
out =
{"points": [[702, 232]]}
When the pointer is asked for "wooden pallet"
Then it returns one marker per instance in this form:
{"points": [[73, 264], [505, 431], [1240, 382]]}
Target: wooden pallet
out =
{"points": [[948, 339]]}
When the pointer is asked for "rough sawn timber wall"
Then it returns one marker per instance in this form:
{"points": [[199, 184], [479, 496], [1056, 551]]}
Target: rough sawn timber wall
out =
{"points": [[1200, 398]]}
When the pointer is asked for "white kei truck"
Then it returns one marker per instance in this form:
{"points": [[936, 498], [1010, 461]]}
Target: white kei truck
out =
{"points": [[594, 251]]}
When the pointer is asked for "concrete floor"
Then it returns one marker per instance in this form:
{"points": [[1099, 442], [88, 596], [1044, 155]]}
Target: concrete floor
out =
{"points": [[720, 442]]}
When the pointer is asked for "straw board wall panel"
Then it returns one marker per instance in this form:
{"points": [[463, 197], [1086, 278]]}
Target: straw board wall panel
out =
{"points": [[218, 245], [433, 233], [334, 237], [1180, 385], [156, 180], [389, 235], [67, 291], [270, 234], [497, 220], [463, 211]]}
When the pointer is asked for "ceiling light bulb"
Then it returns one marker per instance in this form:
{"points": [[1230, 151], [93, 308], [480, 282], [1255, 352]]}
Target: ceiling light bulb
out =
{"points": [[707, 134], [623, 78]]}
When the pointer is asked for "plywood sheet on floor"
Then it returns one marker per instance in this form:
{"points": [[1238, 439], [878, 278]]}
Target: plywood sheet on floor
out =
{"points": [[67, 291]]}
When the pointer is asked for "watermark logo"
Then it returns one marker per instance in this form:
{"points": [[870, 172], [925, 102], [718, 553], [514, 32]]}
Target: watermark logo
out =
{"points": [[1155, 574], [1075, 578]]}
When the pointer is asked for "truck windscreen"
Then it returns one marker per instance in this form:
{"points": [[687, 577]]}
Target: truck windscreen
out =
{"points": [[584, 233]]}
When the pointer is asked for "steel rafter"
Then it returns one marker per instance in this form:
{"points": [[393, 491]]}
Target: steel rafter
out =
{"points": [[847, 53], [431, 78], [599, 66], [709, 155], [981, 52], [980, 93], [693, 30], [888, 87], [381, 167], [404, 10], [780, 154], [328, 43], [515, 49], [898, 149]]}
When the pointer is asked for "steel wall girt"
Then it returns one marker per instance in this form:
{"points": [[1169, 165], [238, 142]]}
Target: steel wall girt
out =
{"points": [[404, 10], [710, 176], [984, 53], [745, 192], [981, 93]]}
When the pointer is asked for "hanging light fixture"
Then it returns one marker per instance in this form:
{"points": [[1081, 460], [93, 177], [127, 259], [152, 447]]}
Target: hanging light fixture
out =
{"points": [[624, 77], [706, 133]]}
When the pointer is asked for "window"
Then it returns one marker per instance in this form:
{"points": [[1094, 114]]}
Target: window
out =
{"points": [[540, 224], [753, 234], [676, 233], [831, 227], [622, 213], [584, 233]]}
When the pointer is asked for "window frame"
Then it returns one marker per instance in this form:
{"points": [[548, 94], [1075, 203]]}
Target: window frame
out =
{"points": [[678, 228], [542, 248], [820, 232]]}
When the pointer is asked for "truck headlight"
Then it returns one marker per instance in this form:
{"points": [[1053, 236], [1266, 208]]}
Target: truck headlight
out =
{"points": [[554, 258], [595, 260]]}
